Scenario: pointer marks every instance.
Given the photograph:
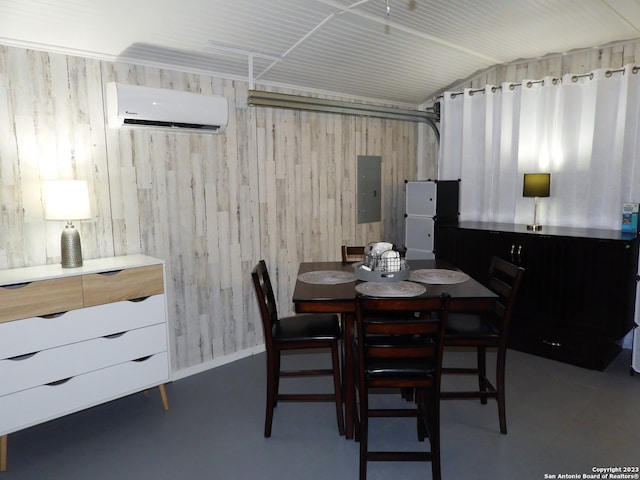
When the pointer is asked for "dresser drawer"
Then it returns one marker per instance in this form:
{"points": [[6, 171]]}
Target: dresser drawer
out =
{"points": [[43, 297], [30, 407], [36, 334], [55, 364], [117, 285]]}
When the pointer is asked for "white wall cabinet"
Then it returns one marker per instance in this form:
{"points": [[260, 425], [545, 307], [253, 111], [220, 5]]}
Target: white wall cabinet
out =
{"points": [[74, 338]]}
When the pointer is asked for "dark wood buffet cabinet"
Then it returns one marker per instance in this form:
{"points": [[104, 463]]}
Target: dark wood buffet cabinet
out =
{"points": [[577, 297]]}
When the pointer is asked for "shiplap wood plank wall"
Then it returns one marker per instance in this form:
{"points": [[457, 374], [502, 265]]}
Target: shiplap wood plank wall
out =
{"points": [[278, 185]]}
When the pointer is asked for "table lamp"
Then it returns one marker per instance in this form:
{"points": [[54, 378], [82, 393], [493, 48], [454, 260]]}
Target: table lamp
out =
{"points": [[536, 185], [68, 200]]}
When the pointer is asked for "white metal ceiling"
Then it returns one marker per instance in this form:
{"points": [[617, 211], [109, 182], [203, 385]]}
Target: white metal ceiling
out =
{"points": [[349, 47]]}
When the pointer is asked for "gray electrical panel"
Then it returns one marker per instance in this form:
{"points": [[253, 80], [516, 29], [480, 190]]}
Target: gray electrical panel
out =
{"points": [[369, 189]]}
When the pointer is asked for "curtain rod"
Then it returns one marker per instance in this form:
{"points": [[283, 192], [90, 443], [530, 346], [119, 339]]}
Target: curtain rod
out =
{"points": [[635, 69]]}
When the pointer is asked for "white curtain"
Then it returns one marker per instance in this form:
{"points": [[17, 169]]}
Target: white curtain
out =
{"points": [[583, 129]]}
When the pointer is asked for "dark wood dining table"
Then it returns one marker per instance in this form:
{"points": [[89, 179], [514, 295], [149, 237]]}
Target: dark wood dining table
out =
{"points": [[340, 298]]}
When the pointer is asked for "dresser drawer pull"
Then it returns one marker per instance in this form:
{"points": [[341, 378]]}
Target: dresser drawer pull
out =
{"points": [[58, 382], [552, 344], [53, 315], [143, 359], [112, 272], [115, 335], [139, 299], [16, 285], [22, 357]]}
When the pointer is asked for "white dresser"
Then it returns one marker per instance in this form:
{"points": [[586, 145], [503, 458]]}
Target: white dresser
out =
{"points": [[74, 338]]}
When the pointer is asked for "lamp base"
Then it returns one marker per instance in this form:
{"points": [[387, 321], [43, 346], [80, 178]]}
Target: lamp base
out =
{"points": [[535, 227], [71, 247]]}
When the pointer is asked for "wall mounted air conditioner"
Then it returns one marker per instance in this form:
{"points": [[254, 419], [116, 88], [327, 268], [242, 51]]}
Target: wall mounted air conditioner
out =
{"points": [[135, 106]]}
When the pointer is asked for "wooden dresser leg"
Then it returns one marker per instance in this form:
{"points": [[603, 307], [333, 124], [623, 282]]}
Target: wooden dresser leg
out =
{"points": [[163, 394], [3, 453]]}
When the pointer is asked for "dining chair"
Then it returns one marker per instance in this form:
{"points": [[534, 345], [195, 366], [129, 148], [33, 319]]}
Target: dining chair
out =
{"points": [[298, 332], [399, 345], [352, 253], [481, 331]]}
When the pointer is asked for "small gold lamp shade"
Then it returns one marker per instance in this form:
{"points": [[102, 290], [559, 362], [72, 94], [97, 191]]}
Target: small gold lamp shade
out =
{"points": [[536, 185], [68, 200]]}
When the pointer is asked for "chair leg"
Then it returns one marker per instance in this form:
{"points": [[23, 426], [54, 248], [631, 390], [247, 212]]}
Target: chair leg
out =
{"points": [[423, 415], [363, 431], [355, 406], [482, 372], [273, 369], [276, 376], [337, 387], [356, 425], [350, 374], [500, 374], [433, 409]]}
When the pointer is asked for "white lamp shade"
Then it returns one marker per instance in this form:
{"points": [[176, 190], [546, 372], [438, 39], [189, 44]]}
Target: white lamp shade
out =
{"points": [[67, 200]]}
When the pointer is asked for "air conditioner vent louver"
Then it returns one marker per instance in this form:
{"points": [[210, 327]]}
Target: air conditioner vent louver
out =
{"points": [[155, 123]]}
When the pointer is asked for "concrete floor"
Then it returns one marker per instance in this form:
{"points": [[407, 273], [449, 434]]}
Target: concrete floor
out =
{"points": [[561, 420]]}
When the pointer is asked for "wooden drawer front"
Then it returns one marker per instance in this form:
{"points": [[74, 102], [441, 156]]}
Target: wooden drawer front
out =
{"points": [[127, 284], [30, 407], [57, 364], [43, 297], [35, 334], [569, 346]]}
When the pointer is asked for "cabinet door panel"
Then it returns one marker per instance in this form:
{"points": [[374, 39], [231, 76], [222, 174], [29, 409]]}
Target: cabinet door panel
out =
{"points": [[469, 250], [600, 272], [419, 233], [540, 292], [420, 198]]}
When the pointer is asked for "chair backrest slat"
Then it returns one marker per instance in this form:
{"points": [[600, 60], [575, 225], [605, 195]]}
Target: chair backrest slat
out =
{"points": [[401, 328], [404, 352]]}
